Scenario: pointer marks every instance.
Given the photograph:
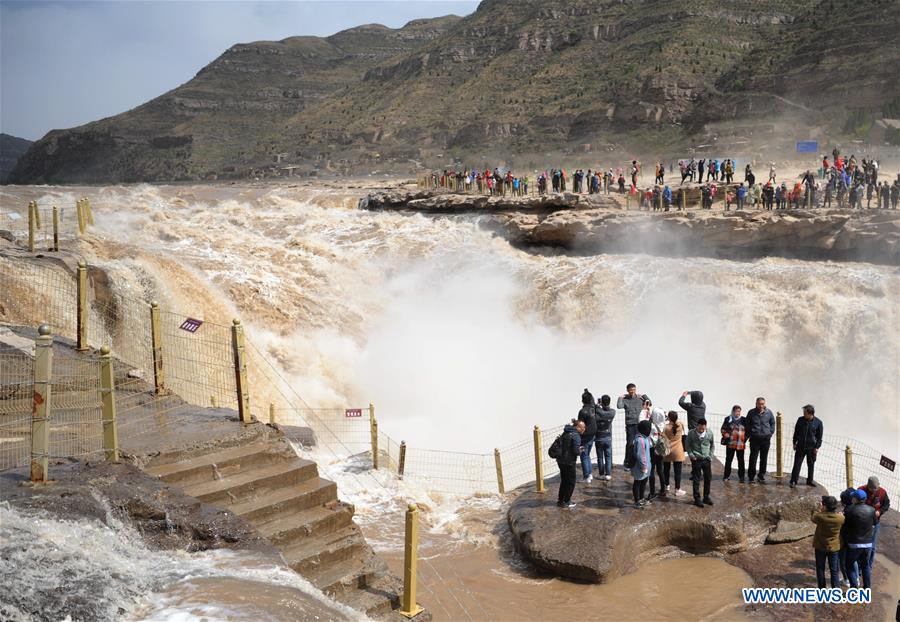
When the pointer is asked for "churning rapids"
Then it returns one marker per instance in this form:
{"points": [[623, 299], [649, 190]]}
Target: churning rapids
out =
{"points": [[461, 339], [465, 342]]}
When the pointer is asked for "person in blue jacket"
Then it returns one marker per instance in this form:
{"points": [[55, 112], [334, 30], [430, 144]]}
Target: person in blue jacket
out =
{"points": [[641, 463]]}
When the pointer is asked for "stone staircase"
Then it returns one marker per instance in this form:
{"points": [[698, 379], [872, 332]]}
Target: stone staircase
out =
{"points": [[264, 482]]}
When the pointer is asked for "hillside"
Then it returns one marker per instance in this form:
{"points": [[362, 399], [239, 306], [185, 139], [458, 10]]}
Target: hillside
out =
{"points": [[217, 122], [526, 78], [11, 149]]}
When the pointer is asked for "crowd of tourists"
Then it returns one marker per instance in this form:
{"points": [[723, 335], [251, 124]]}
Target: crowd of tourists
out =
{"points": [[838, 183], [658, 443]]}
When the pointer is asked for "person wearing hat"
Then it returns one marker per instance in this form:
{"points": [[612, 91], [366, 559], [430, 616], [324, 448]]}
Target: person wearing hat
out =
{"points": [[846, 497], [859, 525], [827, 540], [877, 497]]}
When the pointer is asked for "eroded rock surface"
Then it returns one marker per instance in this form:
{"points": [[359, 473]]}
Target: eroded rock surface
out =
{"points": [[599, 224], [605, 537]]}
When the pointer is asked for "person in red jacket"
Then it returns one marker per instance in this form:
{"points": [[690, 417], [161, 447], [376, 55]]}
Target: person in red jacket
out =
{"points": [[877, 497]]}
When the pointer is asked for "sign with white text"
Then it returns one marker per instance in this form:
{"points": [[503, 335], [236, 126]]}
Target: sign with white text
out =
{"points": [[191, 325]]}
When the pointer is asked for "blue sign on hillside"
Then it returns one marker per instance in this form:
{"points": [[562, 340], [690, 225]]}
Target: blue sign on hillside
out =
{"points": [[807, 146]]}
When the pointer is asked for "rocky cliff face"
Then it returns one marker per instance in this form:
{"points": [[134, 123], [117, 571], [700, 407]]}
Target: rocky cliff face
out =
{"points": [[11, 149], [600, 224], [523, 78], [225, 121]]}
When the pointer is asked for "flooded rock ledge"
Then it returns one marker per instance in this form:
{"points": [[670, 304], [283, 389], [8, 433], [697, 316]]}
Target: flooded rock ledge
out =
{"points": [[595, 224], [604, 537]]}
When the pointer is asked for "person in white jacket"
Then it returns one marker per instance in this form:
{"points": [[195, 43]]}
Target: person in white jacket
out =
{"points": [[657, 419]]}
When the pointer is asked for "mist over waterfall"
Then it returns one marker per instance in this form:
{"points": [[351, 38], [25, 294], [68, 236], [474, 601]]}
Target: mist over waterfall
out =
{"points": [[465, 342]]}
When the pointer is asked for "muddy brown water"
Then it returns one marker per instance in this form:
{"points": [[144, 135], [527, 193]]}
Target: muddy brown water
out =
{"points": [[462, 581]]}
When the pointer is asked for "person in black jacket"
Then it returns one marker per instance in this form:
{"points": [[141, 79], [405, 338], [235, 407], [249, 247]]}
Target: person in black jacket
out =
{"points": [[587, 415], [566, 463], [858, 532], [807, 440], [760, 428], [696, 408]]}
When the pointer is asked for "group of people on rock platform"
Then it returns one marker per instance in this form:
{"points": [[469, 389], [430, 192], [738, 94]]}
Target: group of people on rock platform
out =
{"points": [[657, 445]]}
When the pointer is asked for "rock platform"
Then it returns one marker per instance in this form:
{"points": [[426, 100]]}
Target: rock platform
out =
{"points": [[595, 224], [605, 537]]}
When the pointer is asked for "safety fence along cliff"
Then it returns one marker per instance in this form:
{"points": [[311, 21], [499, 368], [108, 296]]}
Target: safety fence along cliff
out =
{"points": [[106, 363], [43, 227]]}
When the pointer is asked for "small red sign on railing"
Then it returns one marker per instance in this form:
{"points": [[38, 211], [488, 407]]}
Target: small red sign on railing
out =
{"points": [[888, 463], [191, 325], [353, 412]]}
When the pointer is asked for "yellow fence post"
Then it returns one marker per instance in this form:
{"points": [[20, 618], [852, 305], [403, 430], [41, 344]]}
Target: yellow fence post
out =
{"points": [[55, 229], [373, 428], [88, 211], [79, 211], [81, 308], [31, 226], [683, 200], [37, 215], [779, 447], [499, 466], [401, 465], [410, 608], [272, 413], [212, 401], [240, 371], [108, 400], [848, 462], [538, 461], [159, 375], [40, 409]]}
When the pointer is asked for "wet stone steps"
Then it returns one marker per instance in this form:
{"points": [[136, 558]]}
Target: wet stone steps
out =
{"points": [[287, 500], [283, 497], [348, 575], [289, 526], [242, 485], [312, 553], [216, 465]]}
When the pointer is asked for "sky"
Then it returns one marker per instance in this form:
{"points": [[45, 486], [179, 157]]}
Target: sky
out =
{"points": [[66, 63]]}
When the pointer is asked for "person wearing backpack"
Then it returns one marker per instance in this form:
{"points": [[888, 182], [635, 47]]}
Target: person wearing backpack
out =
{"points": [[605, 416], [565, 449]]}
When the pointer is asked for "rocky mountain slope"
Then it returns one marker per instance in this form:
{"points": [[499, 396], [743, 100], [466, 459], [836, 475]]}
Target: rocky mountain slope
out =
{"points": [[221, 121], [525, 77], [11, 149]]}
